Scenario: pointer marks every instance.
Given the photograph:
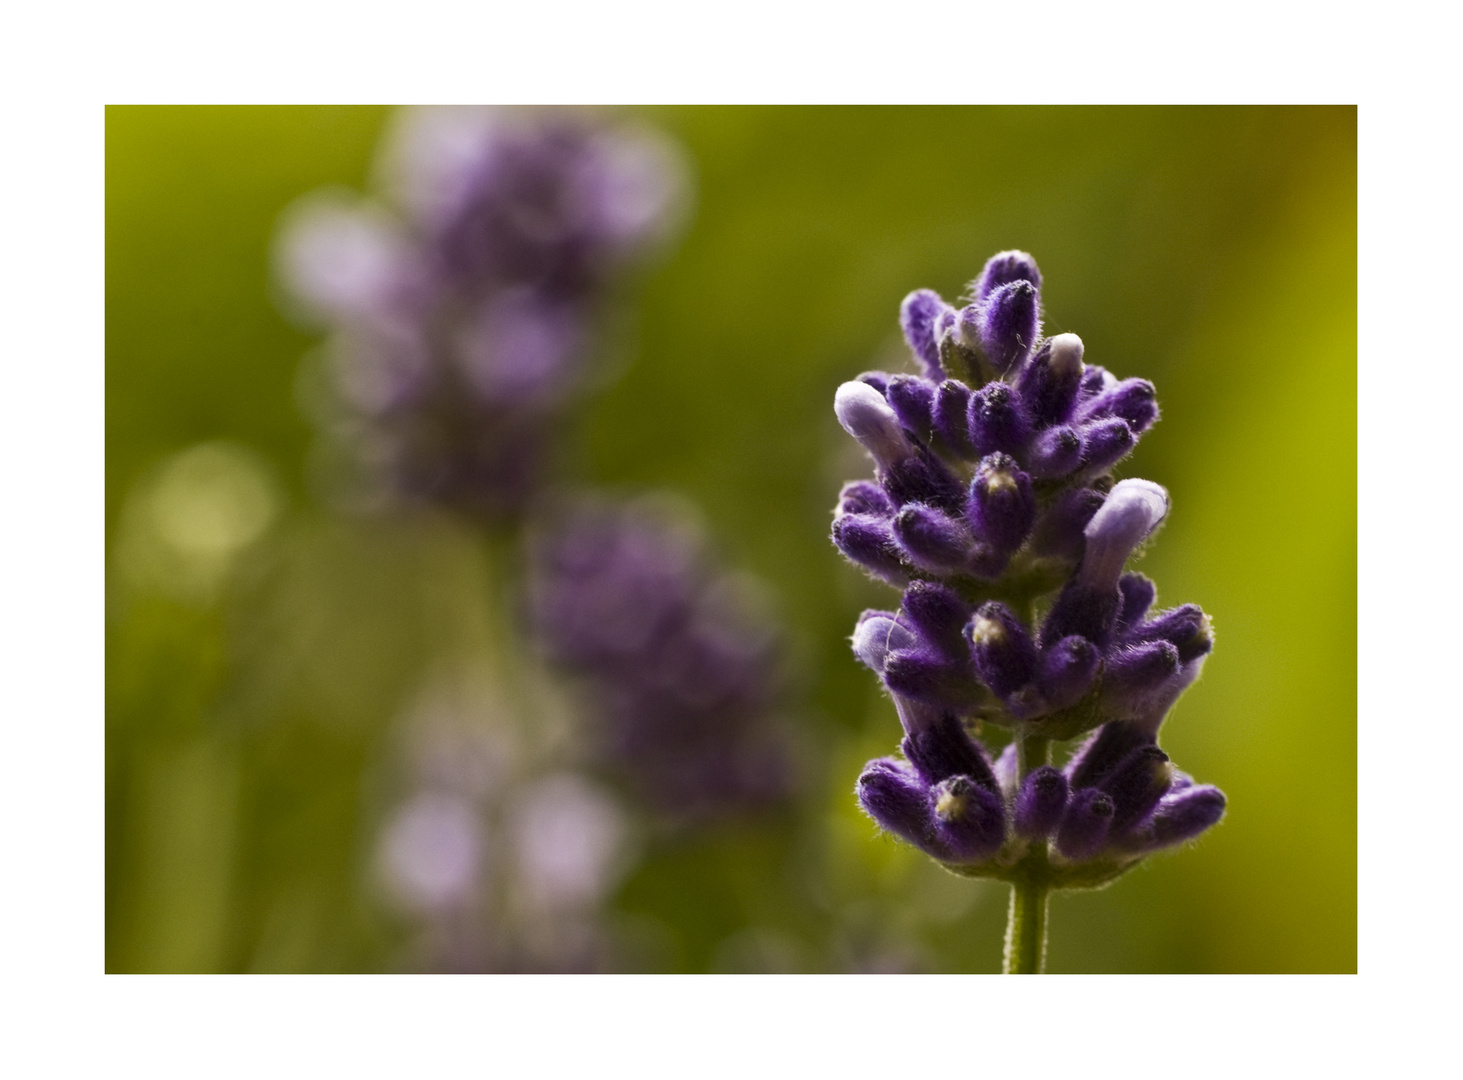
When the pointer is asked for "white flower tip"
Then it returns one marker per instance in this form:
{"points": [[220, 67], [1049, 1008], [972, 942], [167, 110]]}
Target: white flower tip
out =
{"points": [[1066, 356], [866, 416], [1133, 509], [1136, 506], [862, 410], [876, 637]]}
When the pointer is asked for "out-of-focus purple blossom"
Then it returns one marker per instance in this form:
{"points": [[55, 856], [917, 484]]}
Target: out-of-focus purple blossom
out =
{"points": [[468, 306], [681, 675], [438, 857], [432, 852], [499, 859], [992, 500], [569, 841]]}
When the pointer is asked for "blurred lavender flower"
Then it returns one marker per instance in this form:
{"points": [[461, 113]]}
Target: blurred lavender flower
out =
{"points": [[432, 852], [681, 674], [992, 492], [569, 841], [468, 307], [498, 864]]}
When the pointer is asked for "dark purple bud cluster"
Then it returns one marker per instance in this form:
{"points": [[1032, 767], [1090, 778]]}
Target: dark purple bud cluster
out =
{"points": [[993, 501], [1116, 801], [681, 673], [465, 309]]}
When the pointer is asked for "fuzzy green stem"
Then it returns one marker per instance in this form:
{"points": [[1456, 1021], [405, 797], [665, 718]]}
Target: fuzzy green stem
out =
{"points": [[1026, 928], [1026, 921], [1032, 752]]}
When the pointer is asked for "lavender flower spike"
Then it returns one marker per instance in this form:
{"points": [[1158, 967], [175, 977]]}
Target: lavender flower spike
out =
{"points": [[993, 499], [464, 302], [681, 673]]}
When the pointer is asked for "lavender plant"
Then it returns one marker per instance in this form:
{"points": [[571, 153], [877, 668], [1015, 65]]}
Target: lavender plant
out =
{"points": [[993, 507], [469, 305], [499, 856], [681, 672]]}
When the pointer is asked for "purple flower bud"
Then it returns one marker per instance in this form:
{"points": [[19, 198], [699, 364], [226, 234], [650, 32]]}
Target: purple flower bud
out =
{"points": [[970, 820], [877, 635], [1056, 452], [923, 675], [1137, 404], [943, 749], [1138, 596], [1002, 507], [1132, 511], [866, 416], [1048, 385], [1082, 609], [897, 800], [1095, 380], [1133, 676], [879, 380], [996, 423], [1187, 628], [1085, 824], [1040, 803], [1133, 400], [924, 478], [864, 497], [1010, 322], [952, 400], [1148, 715], [1104, 444], [1005, 658], [1183, 815], [939, 615], [869, 542], [1059, 530], [1136, 785], [913, 400], [1068, 669], [931, 539], [1002, 269], [917, 317], [1100, 754]]}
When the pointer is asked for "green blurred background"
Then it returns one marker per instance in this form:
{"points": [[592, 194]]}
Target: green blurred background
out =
{"points": [[1212, 250]]}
